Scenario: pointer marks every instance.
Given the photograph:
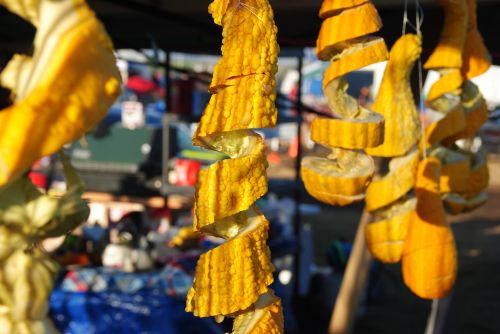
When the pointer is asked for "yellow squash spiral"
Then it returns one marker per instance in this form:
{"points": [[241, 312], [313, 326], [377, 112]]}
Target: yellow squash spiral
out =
{"points": [[233, 279], [342, 177]]}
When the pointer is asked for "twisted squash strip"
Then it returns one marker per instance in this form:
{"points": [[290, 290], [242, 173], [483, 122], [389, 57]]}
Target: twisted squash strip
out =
{"points": [[27, 9], [233, 279], [429, 260], [456, 204], [453, 122], [476, 58], [385, 197], [395, 100], [455, 169], [475, 109], [448, 52], [450, 81], [345, 29], [343, 176], [70, 43], [332, 7], [395, 184], [385, 236]]}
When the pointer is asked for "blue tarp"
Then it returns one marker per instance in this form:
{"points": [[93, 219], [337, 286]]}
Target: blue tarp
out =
{"points": [[145, 312]]}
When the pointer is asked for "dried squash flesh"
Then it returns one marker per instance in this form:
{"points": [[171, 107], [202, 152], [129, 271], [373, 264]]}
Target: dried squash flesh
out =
{"points": [[337, 31], [395, 100], [385, 236], [395, 184], [266, 318], [342, 177], [450, 81], [453, 122], [476, 112], [429, 260], [369, 51], [333, 7], [336, 180], [456, 204], [448, 52], [232, 280], [55, 111], [455, 169]]}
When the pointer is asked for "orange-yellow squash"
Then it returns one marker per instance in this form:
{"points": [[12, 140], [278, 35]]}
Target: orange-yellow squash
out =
{"points": [[395, 184], [395, 100], [385, 236], [333, 7], [233, 279], [448, 52], [429, 261], [50, 112], [476, 58], [342, 31]]}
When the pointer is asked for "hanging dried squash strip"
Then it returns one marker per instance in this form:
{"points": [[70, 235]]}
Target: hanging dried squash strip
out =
{"points": [[343, 176], [385, 236], [395, 184], [448, 52], [233, 279], [476, 58], [429, 261], [395, 100], [72, 44]]}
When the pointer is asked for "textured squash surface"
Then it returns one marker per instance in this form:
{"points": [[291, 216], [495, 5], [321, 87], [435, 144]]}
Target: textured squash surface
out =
{"points": [[337, 31], [233, 279], [342, 177], [429, 261], [54, 111], [395, 100], [385, 236], [451, 80], [266, 318]]}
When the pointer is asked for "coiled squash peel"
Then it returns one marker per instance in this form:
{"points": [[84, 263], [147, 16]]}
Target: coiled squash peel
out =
{"points": [[233, 279], [343, 176]]}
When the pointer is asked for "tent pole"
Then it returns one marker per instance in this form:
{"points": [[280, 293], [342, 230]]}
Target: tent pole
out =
{"points": [[353, 283]]}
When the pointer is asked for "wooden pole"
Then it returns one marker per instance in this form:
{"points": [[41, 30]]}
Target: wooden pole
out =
{"points": [[353, 283]]}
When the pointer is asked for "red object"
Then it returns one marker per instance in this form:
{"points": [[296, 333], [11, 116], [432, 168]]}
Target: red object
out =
{"points": [[38, 179], [293, 149], [140, 85], [187, 172]]}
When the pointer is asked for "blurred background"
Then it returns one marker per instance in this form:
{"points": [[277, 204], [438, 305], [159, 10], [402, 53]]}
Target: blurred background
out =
{"points": [[129, 267]]}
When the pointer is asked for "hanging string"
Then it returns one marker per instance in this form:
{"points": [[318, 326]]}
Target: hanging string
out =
{"points": [[419, 18]]}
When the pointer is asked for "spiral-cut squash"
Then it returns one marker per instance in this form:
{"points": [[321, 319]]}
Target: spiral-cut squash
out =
{"points": [[475, 109], [395, 184], [448, 52], [455, 169], [429, 260], [476, 58], [70, 43], [343, 176], [233, 279], [395, 100], [385, 236]]}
